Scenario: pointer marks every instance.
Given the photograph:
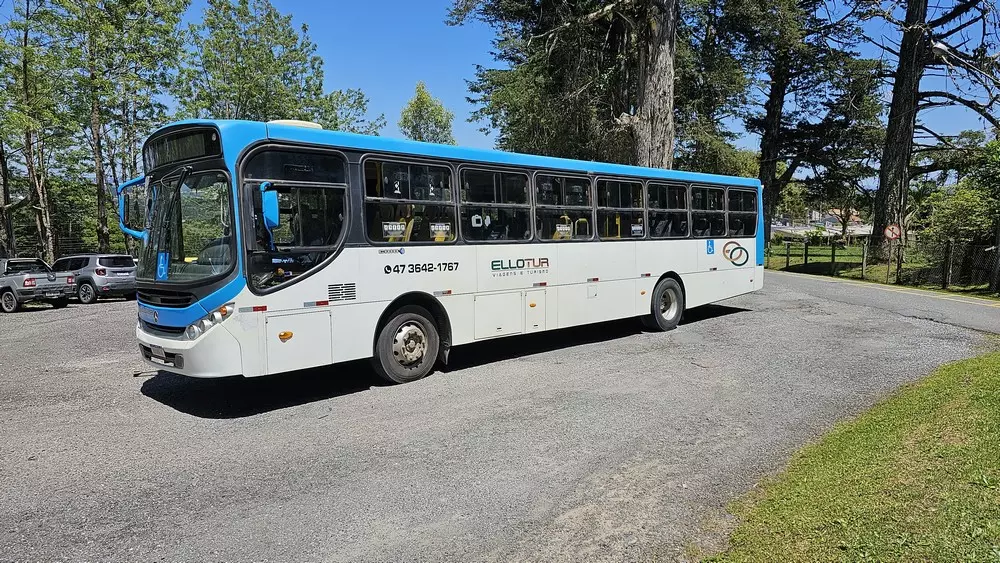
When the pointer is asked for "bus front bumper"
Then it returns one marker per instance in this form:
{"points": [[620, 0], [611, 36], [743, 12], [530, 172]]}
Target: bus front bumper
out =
{"points": [[214, 354]]}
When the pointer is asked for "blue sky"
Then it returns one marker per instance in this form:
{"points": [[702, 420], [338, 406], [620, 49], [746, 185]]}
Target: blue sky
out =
{"points": [[384, 47]]}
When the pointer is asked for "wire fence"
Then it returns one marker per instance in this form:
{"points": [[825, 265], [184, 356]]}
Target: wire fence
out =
{"points": [[950, 265]]}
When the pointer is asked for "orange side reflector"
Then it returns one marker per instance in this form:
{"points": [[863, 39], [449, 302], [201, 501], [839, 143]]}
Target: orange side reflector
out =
{"points": [[532, 305], [643, 292], [285, 335]]}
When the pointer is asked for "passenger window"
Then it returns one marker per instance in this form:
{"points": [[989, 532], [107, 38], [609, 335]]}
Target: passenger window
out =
{"points": [[564, 208], [311, 213], [668, 216], [407, 202], [619, 210], [742, 213], [495, 206], [708, 211], [60, 265]]}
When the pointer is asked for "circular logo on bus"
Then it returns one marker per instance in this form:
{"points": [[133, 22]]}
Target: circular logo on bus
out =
{"points": [[735, 253]]}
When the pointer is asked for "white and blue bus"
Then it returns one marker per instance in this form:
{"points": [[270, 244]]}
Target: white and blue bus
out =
{"points": [[272, 247]]}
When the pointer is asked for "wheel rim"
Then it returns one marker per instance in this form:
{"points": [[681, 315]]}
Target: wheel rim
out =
{"points": [[669, 304], [86, 294], [8, 302], [409, 345]]}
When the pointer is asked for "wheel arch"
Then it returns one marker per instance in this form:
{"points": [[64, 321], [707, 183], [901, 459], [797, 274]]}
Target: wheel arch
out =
{"points": [[676, 277], [427, 301]]}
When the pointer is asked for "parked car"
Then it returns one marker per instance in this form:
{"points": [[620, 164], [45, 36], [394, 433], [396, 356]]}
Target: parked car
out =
{"points": [[100, 275], [30, 279]]}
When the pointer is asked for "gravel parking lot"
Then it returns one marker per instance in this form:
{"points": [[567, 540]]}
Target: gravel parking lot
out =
{"points": [[601, 442]]}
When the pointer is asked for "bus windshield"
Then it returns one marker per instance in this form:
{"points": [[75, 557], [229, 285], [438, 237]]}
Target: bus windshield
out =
{"points": [[190, 228]]}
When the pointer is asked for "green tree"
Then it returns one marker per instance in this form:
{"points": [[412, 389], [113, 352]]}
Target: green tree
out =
{"points": [[798, 55], [958, 39], [840, 149], [585, 79], [38, 109], [122, 52], [248, 61], [424, 118]]}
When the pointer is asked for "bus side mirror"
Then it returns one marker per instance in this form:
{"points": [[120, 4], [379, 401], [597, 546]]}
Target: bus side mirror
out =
{"points": [[126, 205], [269, 204]]}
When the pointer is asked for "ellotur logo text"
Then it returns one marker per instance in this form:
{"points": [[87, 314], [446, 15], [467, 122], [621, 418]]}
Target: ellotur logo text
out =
{"points": [[519, 266]]}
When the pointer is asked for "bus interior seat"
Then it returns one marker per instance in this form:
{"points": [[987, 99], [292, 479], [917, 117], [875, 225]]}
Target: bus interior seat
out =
{"points": [[577, 230], [701, 227], [662, 226], [735, 227], [719, 226], [679, 229]]}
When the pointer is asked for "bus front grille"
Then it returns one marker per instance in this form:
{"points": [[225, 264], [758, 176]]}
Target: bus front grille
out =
{"points": [[342, 292], [164, 298]]}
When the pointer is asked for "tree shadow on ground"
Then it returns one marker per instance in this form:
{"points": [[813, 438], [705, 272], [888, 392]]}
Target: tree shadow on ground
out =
{"points": [[237, 397]]}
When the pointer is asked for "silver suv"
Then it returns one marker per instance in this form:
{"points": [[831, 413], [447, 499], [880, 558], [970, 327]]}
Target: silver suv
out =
{"points": [[100, 275], [30, 279]]}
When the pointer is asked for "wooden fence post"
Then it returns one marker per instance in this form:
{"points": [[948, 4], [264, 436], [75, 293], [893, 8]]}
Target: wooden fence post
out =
{"points": [[946, 266], [788, 254], [805, 253], [864, 257], [833, 258]]}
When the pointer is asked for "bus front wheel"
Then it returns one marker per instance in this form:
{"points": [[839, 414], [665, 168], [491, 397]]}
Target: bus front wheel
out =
{"points": [[667, 306], [407, 346]]}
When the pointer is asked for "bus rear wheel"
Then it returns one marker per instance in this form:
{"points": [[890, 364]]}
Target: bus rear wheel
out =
{"points": [[666, 307], [407, 346]]}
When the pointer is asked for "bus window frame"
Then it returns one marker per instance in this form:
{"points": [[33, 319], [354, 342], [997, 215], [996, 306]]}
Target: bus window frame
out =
{"points": [[535, 205], [724, 212], [247, 215], [530, 205], [643, 210], [687, 202], [385, 157], [755, 211]]}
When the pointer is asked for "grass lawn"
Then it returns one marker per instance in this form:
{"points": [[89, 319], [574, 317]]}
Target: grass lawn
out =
{"points": [[916, 478]]}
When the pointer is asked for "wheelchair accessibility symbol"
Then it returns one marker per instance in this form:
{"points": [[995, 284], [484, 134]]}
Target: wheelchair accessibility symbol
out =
{"points": [[162, 265], [709, 247], [735, 253]]}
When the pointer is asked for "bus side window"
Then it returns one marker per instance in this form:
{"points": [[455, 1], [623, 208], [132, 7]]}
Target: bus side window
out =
{"points": [[708, 211], [408, 202], [619, 210], [494, 205], [310, 213], [565, 208], [742, 210], [668, 215]]}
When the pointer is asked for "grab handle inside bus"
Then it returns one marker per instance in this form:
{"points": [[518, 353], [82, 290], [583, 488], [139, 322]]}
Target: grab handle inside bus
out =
{"points": [[125, 196]]}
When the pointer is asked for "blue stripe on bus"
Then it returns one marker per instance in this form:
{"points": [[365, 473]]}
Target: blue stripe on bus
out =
{"points": [[182, 317], [760, 225]]}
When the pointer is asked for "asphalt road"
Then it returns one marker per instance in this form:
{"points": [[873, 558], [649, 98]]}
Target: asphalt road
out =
{"points": [[596, 443]]}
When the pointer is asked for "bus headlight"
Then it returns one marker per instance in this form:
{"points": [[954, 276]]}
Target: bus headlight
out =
{"points": [[202, 325]]}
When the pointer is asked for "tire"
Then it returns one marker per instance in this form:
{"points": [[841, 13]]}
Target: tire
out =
{"points": [[86, 293], [666, 307], [410, 332], [8, 302], [59, 303]]}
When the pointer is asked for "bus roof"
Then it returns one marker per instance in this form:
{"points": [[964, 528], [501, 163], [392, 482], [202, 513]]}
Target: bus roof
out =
{"points": [[297, 134]]}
